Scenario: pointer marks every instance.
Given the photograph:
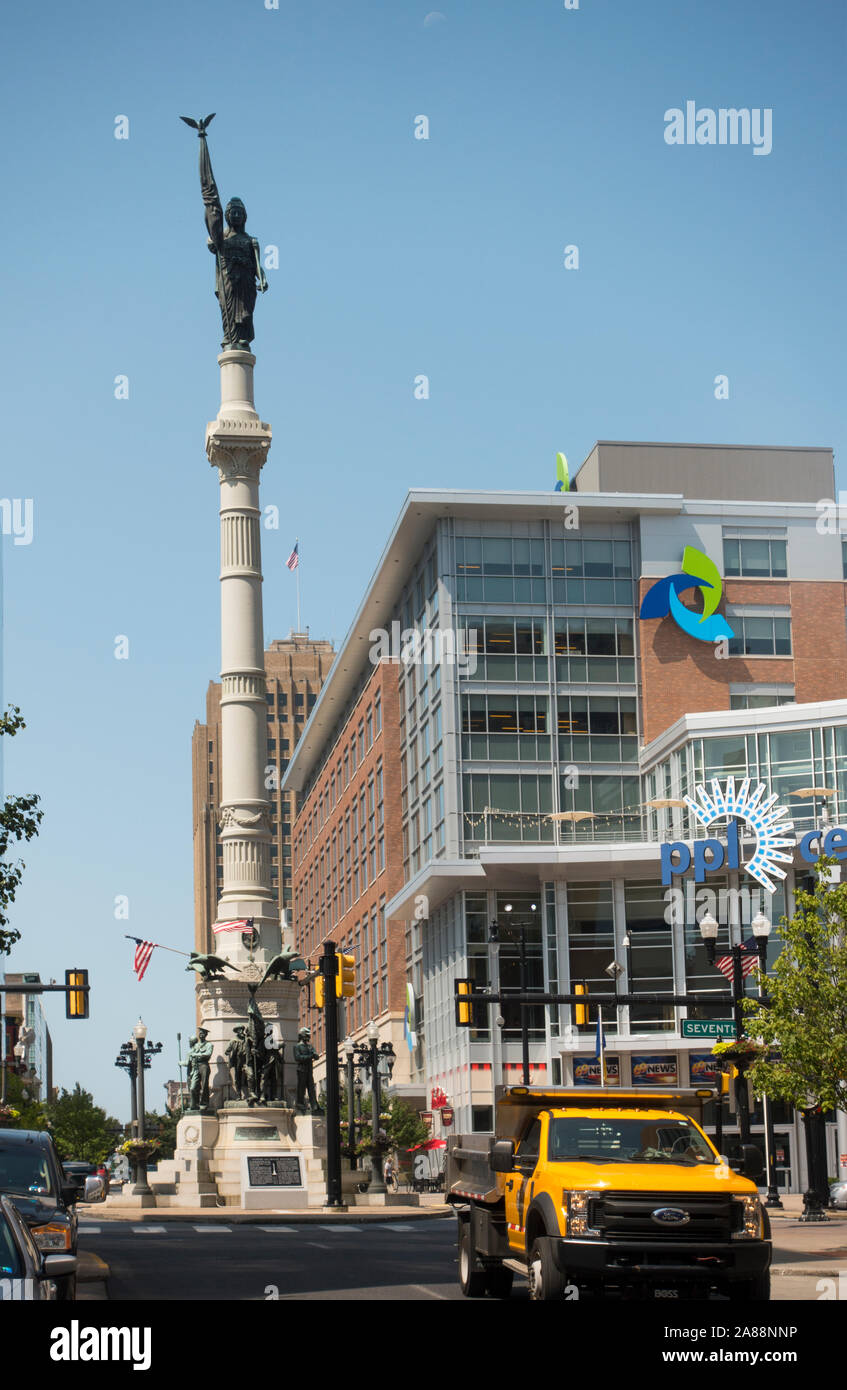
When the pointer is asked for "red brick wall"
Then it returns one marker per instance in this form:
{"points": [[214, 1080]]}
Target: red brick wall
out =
{"points": [[680, 675], [340, 927]]}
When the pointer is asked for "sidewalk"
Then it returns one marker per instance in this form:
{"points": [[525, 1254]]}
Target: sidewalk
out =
{"points": [[817, 1248]]}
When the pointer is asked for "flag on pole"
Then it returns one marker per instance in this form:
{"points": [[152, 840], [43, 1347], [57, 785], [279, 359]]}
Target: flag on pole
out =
{"points": [[749, 960], [143, 952], [294, 558], [239, 924]]}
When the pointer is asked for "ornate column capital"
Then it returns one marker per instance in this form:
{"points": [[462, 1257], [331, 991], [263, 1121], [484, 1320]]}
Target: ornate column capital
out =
{"points": [[238, 447]]}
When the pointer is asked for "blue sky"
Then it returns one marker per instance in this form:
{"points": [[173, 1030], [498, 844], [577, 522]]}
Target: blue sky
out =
{"points": [[397, 257]]}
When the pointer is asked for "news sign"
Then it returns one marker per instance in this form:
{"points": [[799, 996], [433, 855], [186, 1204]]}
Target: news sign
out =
{"points": [[586, 1072], [654, 1070]]}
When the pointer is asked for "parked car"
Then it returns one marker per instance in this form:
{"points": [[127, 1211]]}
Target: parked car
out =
{"points": [[27, 1275], [77, 1170], [31, 1174], [838, 1195]]}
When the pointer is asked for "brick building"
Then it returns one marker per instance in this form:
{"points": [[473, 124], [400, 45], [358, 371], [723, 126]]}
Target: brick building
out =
{"points": [[347, 860], [295, 669], [539, 780]]}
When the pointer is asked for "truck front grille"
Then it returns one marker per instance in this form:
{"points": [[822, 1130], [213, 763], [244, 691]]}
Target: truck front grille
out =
{"points": [[629, 1216]]}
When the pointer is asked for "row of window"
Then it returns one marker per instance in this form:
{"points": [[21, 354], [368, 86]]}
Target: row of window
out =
{"points": [[361, 742]]}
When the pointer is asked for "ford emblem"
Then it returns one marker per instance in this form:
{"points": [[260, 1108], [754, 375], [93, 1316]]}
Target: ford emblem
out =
{"points": [[671, 1216]]}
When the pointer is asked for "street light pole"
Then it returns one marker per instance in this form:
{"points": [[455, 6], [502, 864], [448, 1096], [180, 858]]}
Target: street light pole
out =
{"points": [[377, 1183], [761, 930], [139, 1033], [350, 1077]]}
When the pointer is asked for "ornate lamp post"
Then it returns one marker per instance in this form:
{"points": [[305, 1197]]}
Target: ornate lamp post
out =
{"points": [[369, 1059], [350, 1078], [141, 1055]]}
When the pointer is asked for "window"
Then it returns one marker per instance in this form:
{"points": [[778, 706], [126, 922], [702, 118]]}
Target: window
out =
{"points": [[377, 713], [759, 635], [482, 1119], [763, 697], [754, 554]]}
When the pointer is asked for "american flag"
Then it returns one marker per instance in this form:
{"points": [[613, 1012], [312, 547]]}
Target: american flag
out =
{"points": [[749, 960], [143, 952], [239, 924], [294, 558]]}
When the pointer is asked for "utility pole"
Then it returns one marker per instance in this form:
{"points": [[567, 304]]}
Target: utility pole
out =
{"points": [[329, 971]]}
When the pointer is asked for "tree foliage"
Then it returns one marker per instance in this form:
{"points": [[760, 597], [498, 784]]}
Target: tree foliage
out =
{"points": [[402, 1125], [805, 1017], [20, 817], [19, 1094], [81, 1129]]}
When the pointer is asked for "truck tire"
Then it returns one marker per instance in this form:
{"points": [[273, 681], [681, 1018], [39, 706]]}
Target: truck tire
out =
{"points": [[756, 1290], [546, 1282], [498, 1281], [471, 1281]]}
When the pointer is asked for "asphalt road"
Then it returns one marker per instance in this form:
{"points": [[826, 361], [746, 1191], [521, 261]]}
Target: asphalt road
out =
{"points": [[407, 1261], [332, 1261]]}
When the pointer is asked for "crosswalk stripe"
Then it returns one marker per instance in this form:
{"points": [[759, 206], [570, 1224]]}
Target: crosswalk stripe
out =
{"points": [[395, 1226], [149, 1230], [89, 1230], [289, 1230], [204, 1230], [341, 1226]]}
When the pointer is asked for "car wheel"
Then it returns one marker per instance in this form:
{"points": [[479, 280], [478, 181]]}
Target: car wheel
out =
{"points": [[546, 1282], [756, 1290], [498, 1281], [471, 1281]]}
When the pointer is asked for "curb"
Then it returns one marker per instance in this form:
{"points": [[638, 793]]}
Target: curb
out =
{"points": [[795, 1271]]}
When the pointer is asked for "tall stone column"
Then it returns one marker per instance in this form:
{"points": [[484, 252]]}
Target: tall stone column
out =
{"points": [[237, 444]]}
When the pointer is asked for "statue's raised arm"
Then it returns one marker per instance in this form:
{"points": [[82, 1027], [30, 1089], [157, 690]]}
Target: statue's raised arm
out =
{"points": [[238, 265]]}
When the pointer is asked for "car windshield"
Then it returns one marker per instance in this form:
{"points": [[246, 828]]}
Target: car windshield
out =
{"points": [[590, 1139], [10, 1260], [25, 1171]]}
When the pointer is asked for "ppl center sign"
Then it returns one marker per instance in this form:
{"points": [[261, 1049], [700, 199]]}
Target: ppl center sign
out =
{"points": [[775, 840]]}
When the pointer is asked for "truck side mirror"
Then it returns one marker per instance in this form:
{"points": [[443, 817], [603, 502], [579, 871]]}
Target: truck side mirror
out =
{"points": [[503, 1156]]}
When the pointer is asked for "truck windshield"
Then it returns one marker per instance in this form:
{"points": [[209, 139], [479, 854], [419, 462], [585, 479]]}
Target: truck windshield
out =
{"points": [[585, 1139], [25, 1171]]}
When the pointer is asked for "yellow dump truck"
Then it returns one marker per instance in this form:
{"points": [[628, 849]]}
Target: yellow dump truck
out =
{"points": [[606, 1190]]}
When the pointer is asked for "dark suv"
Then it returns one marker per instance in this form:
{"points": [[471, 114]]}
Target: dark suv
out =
{"points": [[31, 1174]]}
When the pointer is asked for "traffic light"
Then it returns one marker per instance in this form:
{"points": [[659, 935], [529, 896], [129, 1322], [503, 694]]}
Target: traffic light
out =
{"points": [[345, 979], [76, 994], [464, 1007], [724, 1091], [319, 991], [580, 1011]]}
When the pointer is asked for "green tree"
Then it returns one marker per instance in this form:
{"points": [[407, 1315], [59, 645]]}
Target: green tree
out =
{"points": [[20, 1096], [19, 820], [80, 1128], [163, 1128], [805, 1017], [403, 1126]]}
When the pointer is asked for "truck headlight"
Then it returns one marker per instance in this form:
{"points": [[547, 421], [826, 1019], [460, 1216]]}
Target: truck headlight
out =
{"points": [[577, 1208], [52, 1236], [752, 1227]]}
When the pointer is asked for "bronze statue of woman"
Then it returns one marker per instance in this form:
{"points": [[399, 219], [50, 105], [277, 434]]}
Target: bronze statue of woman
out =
{"points": [[239, 267]]}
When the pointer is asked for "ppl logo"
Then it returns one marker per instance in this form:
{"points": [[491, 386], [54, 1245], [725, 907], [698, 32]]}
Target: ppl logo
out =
{"points": [[698, 572]]}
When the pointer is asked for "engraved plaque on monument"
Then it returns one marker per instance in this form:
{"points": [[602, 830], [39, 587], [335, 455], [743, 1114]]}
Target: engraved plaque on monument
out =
{"points": [[274, 1170]]}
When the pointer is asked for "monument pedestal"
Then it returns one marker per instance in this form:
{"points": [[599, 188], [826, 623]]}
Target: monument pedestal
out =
{"points": [[251, 1157]]}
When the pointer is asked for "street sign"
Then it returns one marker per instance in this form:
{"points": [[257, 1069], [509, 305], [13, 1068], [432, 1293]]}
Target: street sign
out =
{"points": [[708, 1028]]}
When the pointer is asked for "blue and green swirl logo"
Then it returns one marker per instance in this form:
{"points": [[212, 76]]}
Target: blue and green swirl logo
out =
{"points": [[698, 572]]}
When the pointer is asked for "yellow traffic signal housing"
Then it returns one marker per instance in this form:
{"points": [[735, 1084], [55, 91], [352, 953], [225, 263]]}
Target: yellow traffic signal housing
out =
{"points": [[580, 1011], [319, 991], [76, 994], [464, 1007], [345, 979]]}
